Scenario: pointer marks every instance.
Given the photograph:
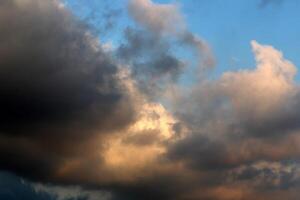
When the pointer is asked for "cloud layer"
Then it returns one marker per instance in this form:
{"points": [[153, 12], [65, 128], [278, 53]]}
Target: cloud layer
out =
{"points": [[79, 122]]}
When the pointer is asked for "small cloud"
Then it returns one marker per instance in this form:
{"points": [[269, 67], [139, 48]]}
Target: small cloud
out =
{"points": [[266, 3]]}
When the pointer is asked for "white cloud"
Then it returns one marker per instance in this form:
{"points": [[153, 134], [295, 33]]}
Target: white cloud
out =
{"points": [[161, 18], [264, 89]]}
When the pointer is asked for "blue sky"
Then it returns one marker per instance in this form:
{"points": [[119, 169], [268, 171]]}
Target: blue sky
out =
{"points": [[228, 26]]}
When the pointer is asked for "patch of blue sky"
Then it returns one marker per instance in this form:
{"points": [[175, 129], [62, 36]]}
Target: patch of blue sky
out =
{"points": [[228, 26], [94, 11]]}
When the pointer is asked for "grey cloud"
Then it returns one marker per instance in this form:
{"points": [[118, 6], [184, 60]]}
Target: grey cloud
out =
{"points": [[204, 54], [149, 49], [165, 20], [58, 88], [200, 152], [139, 43], [153, 65], [269, 175]]}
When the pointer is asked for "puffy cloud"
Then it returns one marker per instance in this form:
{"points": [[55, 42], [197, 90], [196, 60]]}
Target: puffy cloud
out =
{"points": [[243, 120], [263, 99], [253, 100], [266, 88]]}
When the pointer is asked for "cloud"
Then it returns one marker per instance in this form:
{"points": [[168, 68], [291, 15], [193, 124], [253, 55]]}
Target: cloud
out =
{"points": [[265, 97], [151, 48], [58, 88], [246, 97], [165, 20], [160, 18], [238, 121], [204, 54], [70, 192], [152, 63], [265, 3], [79, 122], [70, 113], [228, 147]]}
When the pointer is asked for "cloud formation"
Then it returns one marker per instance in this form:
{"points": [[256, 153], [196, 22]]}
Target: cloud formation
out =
{"points": [[239, 120], [69, 110], [78, 119], [166, 19], [152, 63], [151, 48], [58, 87]]}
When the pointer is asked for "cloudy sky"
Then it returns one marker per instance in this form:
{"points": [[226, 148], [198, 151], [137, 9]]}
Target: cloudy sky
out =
{"points": [[149, 100]]}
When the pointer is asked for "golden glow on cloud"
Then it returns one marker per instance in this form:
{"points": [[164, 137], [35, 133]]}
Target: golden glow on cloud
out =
{"points": [[139, 146]]}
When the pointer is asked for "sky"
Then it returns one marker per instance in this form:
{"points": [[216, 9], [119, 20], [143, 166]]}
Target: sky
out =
{"points": [[227, 26], [149, 99]]}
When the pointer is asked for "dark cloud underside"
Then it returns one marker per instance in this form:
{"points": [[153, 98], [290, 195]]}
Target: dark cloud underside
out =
{"points": [[57, 87]]}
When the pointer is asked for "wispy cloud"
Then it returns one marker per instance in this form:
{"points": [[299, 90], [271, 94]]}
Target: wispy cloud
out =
{"points": [[265, 3], [166, 19]]}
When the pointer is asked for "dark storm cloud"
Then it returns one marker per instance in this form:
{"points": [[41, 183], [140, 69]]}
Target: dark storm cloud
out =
{"points": [[201, 153], [282, 175], [57, 87], [162, 186]]}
